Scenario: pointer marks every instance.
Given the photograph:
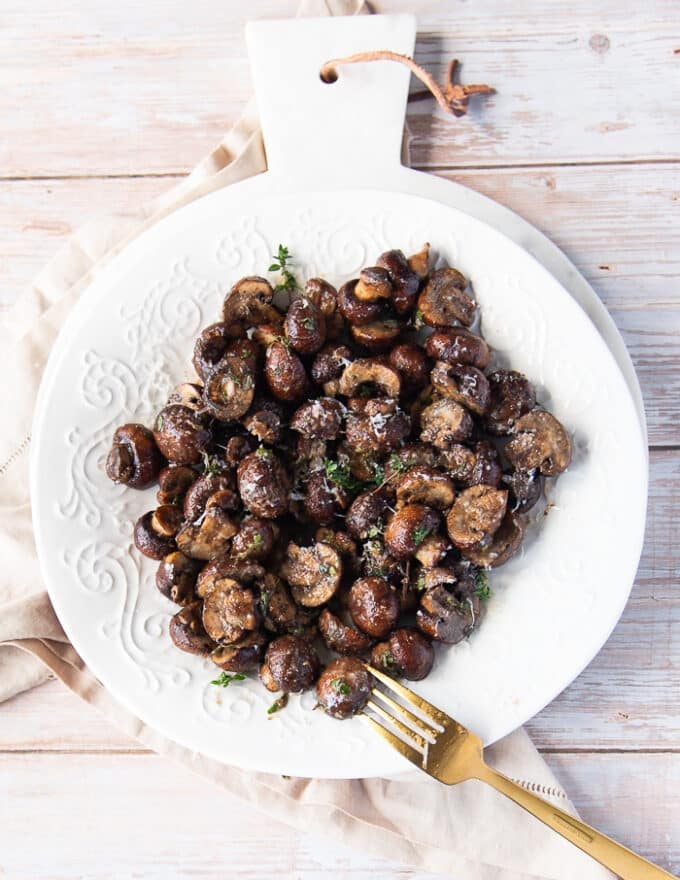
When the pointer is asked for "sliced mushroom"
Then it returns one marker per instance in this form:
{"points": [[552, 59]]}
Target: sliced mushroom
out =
{"points": [[209, 539], [468, 386], [340, 637], [443, 302], [229, 389], [423, 485], [432, 551], [374, 283], [512, 395], [411, 363], [355, 310], [196, 499], [374, 606], [502, 546], [365, 516], [173, 483], [319, 418], [419, 262], [241, 656], [330, 362], [154, 532], [255, 538], [284, 373], [408, 528], [372, 374], [381, 427], [445, 423], [305, 326], [248, 304], [187, 632], [475, 515], [456, 345], [541, 442], [134, 458], [181, 435], [447, 617], [405, 281], [376, 336], [264, 484], [290, 665], [229, 611], [459, 461], [344, 687], [313, 573], [176, 577]]}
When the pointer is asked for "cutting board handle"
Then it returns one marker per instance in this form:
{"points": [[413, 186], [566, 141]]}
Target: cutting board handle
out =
{"points": [[346, 130]]}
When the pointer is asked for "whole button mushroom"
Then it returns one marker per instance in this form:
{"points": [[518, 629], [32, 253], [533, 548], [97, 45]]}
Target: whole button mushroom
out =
{"points": [[374, 606], [459, 461], [201, 490], [456, 345], [305, 326], [355, 310], [290, 665], [284, 373], [405, 281], [365, 515], [512, 395], [487, 467], [445, 423], [255, 538], [181, 435], [229, 389], [540, 442], [241, 656], [173, 483], [343, 688], [318, 419], [443, 302], [189, 394], [475, 515], [187, 632], [341, 638], [381, 427], [411, 653], [324, 500], [408, 528], [468, 386], [264, 484], [411, 363], [176, 577], [154, 532], [134, 458]]}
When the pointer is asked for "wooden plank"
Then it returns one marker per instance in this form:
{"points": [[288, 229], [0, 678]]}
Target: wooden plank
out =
{"points": [[611, 232], [142, 816], [162, 82], [626, 699]]}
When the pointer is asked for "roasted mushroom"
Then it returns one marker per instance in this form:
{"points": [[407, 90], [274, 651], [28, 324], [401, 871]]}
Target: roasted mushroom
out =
{"points": [[340, 637], [263, 484], [432, 551], [284, 373], [502, 545], [374, 283], [324, 500], [330, 362], [248, 304], [374, 606], [245, 571], [443, 302], [355, 310], [181, 435], [279, 610], [540, 442], [176, 577], [255, 538], [265, 424], [241, 656], [210, 348], [448, 617], [405, 281], [424, 485], [343, 688], [208, 538], [445, 423], [173, 483], [187, 632], [305, 326], [320, 418], [468, 386], [154, 532], [377, 335], [407, 654], [229, 611], [381, 426], [290, 665], [408, 528], [412, 365], [237, 448], [487, 467], [134, 458], [370, 374], [459, 461], [196, 499], [475, 515], [526, 487], [229, 389], [512, 395], [188, 394], [456, 345], [313, 573], [365, 516], [419, 262]]}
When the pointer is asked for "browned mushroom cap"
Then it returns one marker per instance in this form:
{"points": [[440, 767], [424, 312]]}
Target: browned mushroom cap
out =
{"points": [[281, 614], [374, 606], [313, 573], [381, 427], [210, 537], [526, 487], [456, 345], [309, 456], [447, 617], [176, 577], [411, 363], [154, 532], [353, 309], [412, 654], [134, 458], [290, 665], [229, 389], [345, 546], [405, 281], [324, 499], [374, 283], [196, 499], [340, 637], [445, 423], [323, 295], [487, 467], [443, 302], [255, 538], [370, 373], [305, 326], [541, 442], [420, 261], [284, 373], [364, 517], [320, 418], [408, 528], [265, 425], [189, 394], [475, 515], [512, 395], [173, 483], [423, 485], [408, 456], [466, 385], [244, 655], [181, 435], [264, 484], [432, 551], [229, 611], [330, 362], [244, 571], [502, 546], [248, 304], [344, 687], [187, 632], [237, 448], [378, 335], [459, 461], [382, 659], [210, 348]]}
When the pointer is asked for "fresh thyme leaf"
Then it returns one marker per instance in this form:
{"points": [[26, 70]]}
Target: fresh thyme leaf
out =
{"points": [[419, 534], [418, 319], [397, 464], [341, 686], [274, 267], [340, 475], [420, 581], [482, 588], [376, 530], [263, 453], [226, 679], [211, 464], [309, 324], [159, 423], [282, 261], [279, 704]]}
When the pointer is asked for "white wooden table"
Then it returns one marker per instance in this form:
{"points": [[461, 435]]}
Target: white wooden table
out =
{"points": [[104, 105]]}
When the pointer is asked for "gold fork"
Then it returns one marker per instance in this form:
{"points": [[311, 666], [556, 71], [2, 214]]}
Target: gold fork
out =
{"points": [[449, 752]]}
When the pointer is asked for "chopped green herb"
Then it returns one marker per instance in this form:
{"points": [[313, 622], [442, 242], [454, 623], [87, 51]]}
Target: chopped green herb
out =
{"points": [[282, 260], [341, 686], [263, 453], [309, 324], [420, 582], [419, 534], [279, 704], [226, 679], [340, 475], [418, 319], [397, 464], [159, 423], [387, 660], [376, 530], [377, 474], [327, 569], [211, 464], [482, 588]]}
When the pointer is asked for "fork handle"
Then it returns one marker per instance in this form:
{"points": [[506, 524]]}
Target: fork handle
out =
{"points": [[622, 861]]}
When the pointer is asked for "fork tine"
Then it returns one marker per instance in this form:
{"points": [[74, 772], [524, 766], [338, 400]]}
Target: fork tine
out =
{"points": [[403, 713], [407, 751], [411, 735], [434, 715]]}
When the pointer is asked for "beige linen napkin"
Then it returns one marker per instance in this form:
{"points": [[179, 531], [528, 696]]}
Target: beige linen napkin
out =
{"points": [[468, 831]]}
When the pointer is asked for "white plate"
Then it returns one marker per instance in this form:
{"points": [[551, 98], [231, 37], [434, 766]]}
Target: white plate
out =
{"points": [[130, 340]]}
